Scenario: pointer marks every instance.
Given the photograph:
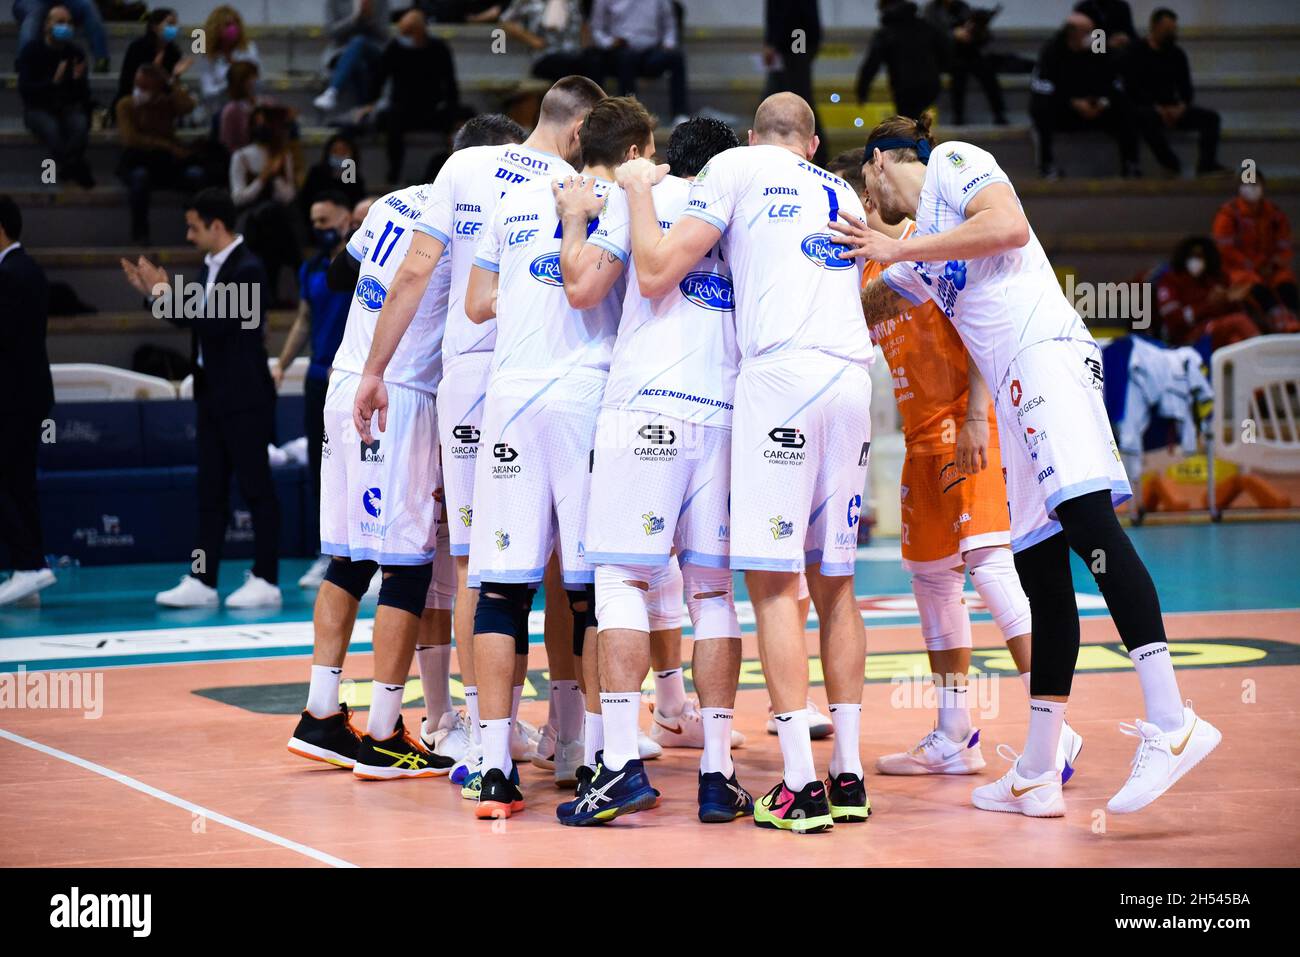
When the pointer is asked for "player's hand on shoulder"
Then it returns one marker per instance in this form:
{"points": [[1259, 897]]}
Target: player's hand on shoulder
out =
{"points": [[576, 195], [640, 173], [860, 241]]}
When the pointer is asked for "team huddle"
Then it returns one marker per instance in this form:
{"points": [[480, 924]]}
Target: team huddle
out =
{"points": [[565, 364]]}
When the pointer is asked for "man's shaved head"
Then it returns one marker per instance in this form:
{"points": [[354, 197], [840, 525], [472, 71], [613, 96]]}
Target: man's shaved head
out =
{"points": [[569, 100], [784, 118]]}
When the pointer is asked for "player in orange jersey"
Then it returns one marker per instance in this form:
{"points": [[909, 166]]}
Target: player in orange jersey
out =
{"points": [[954, 513]]}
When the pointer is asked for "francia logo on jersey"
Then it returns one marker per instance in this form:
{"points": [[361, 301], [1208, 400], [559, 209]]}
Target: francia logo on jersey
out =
{"points": [[546, 269], [371, 293], [371, 500], [708, 290], [820, 250]]}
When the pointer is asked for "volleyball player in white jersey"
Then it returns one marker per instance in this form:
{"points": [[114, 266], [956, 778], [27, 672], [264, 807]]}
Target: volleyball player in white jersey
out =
{"points": [[975, 255], [661, 475], [801, 429], [547, 376]]}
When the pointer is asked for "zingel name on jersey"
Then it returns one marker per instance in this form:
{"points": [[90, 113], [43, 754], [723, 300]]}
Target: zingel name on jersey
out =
{"points": [[371, 293], [546, 269], [709, 291], [821, 250]]}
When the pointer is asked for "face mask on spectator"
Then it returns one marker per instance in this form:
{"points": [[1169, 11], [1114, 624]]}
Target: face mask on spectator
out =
{"points": [[405, 41], [327, 238], [61, 31], [336, 162], [141, 95], [1195, 265], [1251, 192], [170, 31], [230, 32]]}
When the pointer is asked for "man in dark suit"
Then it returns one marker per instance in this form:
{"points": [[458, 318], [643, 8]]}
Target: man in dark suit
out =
{"points": [[234, 395], [25, 368]]}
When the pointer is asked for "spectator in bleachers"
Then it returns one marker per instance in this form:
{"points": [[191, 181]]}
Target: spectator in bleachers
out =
{"points": [[56, 96], [157, 45], [639, 39], [1254, 239], [1113, 18], [423, 94], [227, 42], [1159, 81], [338, 171], [31, 16], [463, 11], [555, 32], [357, 30], [966, 32], [263, 185], [1195, 298], [322, 314], [25, 365], [789, 64], [911, 51], [1073, 89], [241, 100], [153, 157], [235, 403]]}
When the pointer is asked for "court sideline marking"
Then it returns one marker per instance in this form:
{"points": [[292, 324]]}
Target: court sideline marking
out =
{"points": [[177, 801]]}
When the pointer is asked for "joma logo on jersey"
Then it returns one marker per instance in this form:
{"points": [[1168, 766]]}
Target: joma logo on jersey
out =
{"points": [[780, 528], [546, 269], [371, 294], [820, 250], [652, 523], [467, 515], [709, 291]]}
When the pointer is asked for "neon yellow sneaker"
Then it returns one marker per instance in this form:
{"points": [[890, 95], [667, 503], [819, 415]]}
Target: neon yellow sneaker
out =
{"points": [[806, 812]]}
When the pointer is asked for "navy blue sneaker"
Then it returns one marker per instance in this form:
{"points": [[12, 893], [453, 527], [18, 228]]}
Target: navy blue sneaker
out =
{"points": [[722, 798], [609, 795]]}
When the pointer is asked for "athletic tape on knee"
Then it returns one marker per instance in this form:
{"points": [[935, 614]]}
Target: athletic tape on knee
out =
{"points": [[405, 587], [619, 602], [945, 622], [711, 602], [664, 600], [442, 585], [993, 570], [352, 576]]}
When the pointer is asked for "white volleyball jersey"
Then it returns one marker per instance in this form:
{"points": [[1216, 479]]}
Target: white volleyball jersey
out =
{"points": [[792, 291], [998, 304], [380, 245], [462, 200], [674, 355], [538, 332]]}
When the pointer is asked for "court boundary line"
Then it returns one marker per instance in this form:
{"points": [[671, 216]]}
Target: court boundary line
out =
{"points": [[149, 789]]}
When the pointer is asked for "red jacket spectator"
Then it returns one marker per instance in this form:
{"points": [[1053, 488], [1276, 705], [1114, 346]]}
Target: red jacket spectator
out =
{"points": [[1194, 298]]}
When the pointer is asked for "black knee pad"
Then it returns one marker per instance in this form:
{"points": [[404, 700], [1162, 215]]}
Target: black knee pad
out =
{"points": [[503, 610], [584, 618], [406, 587], [352, 576]]}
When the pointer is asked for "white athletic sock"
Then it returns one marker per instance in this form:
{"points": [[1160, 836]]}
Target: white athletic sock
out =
{"points": [[517, 694], [1045, 720], [1024, 676], [496, 744], [670, 692], [569, 709], [593, 738], [1159, 685], [323, 695], [954, 713], [796, 748], [618, 714], [434, 662], [471, 706], [385, 708], [717, 741], [846, 753]]}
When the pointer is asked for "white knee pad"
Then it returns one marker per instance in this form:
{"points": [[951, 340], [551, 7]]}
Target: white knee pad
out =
{"points": [[620, 604], [664, 600], [442, 586], [993, 570], [945, 622], [714, 616]]}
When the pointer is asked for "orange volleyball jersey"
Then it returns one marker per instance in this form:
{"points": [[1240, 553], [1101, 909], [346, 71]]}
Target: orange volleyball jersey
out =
{"points": [[927, 363]]}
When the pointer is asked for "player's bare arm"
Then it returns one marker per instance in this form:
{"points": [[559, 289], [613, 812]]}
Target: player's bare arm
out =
{"points": [[879, 302], [662, 259], [589, 272], [973, 437], [481, 295]]}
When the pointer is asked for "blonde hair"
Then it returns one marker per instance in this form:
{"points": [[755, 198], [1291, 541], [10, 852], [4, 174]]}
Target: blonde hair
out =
{"points": [[220, 18]]}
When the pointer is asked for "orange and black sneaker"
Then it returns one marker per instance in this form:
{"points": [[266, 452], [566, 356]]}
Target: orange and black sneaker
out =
{"points": [[331, 739], [398, 756], [499, 795]]}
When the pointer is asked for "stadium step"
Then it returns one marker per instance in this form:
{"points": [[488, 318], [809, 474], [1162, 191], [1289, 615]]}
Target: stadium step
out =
{"points": [[111, 338]]}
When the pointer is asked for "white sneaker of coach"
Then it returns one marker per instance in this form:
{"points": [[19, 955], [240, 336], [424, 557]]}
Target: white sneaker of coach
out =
{"points": [[25, 584], [254, 593], [314, 575], [190, 593], [1162, 758]]}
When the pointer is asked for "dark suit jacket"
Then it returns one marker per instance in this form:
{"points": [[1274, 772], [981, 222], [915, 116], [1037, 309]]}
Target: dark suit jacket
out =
{"points": [[234, 375], [24, 363]]}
